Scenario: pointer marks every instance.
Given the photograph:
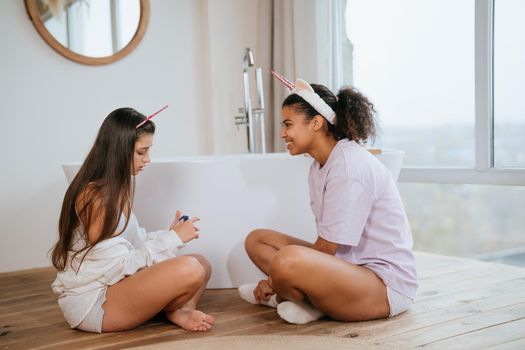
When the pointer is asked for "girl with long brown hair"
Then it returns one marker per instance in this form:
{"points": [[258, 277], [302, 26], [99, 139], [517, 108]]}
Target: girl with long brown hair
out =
{"points": [[112, 275]]}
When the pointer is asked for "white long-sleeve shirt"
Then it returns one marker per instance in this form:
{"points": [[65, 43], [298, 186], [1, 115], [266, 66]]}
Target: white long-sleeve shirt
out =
{"points": [[107, 263]]}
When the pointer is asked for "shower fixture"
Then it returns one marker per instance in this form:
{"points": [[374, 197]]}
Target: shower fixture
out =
{"points": [[252, 117]]}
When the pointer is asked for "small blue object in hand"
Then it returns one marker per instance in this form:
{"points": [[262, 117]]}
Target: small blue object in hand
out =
{"points": [[184, 218]]}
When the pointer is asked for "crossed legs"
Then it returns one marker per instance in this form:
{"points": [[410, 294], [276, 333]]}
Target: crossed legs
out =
{"points": [[339, 289], [174, 286]]}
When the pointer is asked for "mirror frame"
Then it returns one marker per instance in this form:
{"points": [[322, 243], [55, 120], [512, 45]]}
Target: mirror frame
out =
{"points": [[34, 16]]}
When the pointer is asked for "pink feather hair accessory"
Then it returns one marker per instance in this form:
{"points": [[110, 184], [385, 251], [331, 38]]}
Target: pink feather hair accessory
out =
{"points": [[151, 116], [285, 81], [305, 90]]}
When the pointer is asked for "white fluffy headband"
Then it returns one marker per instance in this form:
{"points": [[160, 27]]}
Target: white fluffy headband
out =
{"points": [[303, 89]]}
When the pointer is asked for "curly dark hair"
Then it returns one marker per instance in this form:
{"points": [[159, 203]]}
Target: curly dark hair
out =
{"points": [[355, 114]]}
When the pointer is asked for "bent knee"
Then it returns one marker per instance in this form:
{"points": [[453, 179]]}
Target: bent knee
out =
{"points": [[189, 270], [205, 264], [253, 238], [286, 262]]}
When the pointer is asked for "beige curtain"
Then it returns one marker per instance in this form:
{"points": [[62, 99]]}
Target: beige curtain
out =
{"points": [[293, 54], [308, 42], [292, 37]]}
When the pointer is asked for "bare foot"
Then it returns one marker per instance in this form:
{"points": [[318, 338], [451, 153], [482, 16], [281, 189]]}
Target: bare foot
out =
{"points": [[191, 320]]}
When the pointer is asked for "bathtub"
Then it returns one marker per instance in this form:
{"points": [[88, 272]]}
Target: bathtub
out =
{"points": [[232, 194]]}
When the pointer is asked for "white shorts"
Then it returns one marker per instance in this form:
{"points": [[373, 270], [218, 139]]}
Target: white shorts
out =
{"points": [[93, 320], [398, 302]]}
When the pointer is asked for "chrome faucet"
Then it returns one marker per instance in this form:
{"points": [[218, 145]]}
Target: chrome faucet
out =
{"points": [[253, 118]]}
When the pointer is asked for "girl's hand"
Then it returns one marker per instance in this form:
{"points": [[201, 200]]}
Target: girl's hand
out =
{"points": [[263, 291], [186, 230]]}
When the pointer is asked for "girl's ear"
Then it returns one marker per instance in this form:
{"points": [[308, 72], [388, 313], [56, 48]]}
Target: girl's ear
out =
{"points": [[318, 122]]}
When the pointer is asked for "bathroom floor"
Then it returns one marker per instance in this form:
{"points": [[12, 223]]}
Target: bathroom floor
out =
{"points": [[462, 304]]}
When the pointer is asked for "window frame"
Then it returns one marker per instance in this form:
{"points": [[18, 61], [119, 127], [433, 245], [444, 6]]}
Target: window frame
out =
{"points": [[484, 170]]}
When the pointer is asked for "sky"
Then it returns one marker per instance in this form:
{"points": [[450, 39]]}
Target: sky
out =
{"points": [[415, 59]]}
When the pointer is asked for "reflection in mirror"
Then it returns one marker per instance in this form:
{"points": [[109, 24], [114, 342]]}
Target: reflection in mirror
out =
{"points": [[94, 28], [92, 32]]}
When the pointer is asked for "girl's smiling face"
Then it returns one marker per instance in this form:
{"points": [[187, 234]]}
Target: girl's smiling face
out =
{"points": [[296, 131]]}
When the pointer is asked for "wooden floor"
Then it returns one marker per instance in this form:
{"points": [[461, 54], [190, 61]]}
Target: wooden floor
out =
{"points": [[462, 304]]}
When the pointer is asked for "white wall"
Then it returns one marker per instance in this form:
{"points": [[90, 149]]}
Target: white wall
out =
{"points": [[231, 26], [51, 107]]}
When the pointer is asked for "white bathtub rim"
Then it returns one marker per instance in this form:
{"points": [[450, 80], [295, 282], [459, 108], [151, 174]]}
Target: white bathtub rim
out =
{"points": [[241, 156]]}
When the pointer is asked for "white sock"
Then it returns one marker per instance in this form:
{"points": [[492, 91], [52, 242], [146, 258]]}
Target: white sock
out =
{"points": [[246, 293], [298, 312]]}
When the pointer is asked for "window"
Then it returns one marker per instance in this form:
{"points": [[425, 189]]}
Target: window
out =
{"points": [[465, 220], [419, 74], [448, 82], [445, 84], [509, 83]]}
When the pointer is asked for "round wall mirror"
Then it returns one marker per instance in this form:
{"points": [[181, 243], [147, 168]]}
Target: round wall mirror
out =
{"points": [[92, 32]]}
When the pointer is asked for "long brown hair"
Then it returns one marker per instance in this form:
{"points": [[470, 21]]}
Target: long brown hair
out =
{"points": [[354, 113], [104, 181]]}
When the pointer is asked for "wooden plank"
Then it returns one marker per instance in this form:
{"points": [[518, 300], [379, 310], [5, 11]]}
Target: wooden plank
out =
{"points": [[434, 333], [467, 280], [484, 271], [33, 301], [23, 277], [234, 317], [25, 288], [476, 292], [166, 332], [505, 333], [24, 303], [459, 299], [432, 311], [13, 297], [417, 319], [428, 260], [443, 308], [518, 344], [432, 265], [33, 273], [412, 321]]}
